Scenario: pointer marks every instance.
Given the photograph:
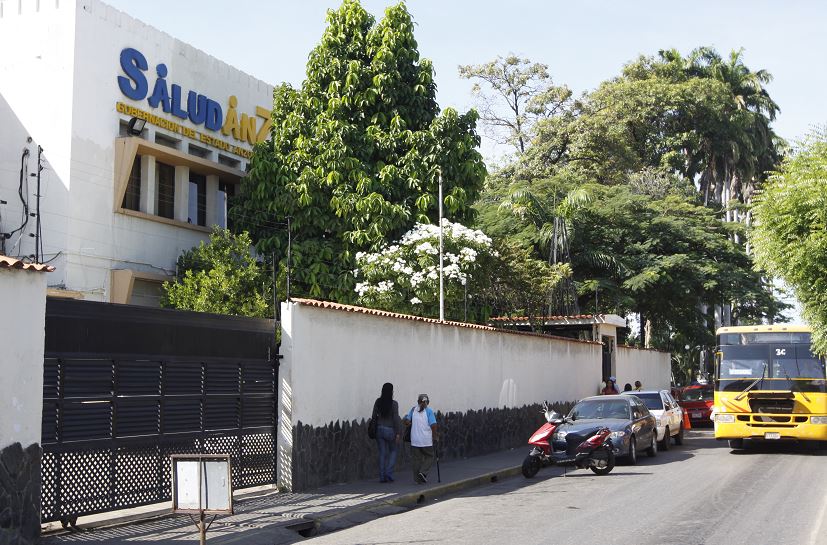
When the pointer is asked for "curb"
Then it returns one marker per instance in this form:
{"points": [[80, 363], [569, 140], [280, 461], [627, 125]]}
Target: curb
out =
{"points": [[338, 520]]}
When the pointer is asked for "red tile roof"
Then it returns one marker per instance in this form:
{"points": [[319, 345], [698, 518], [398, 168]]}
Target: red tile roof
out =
{"points": [[12, 263], [547, 318], [386, 314]]}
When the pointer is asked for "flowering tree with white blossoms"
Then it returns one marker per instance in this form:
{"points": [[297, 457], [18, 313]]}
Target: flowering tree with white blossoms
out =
{"points": [[404, 277]]}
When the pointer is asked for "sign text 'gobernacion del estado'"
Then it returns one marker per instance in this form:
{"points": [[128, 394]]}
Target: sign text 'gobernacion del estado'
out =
{"points": [[197, 108]]}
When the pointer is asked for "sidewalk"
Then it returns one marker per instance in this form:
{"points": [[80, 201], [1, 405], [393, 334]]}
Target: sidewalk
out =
{"points": [[280, 518]]}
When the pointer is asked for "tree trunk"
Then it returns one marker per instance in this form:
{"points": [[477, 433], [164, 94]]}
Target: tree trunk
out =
{"points": [[648, 328], [642, 318]]}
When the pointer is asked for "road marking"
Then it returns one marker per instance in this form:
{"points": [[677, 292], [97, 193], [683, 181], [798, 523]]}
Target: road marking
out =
{"points": [[819, 521]]}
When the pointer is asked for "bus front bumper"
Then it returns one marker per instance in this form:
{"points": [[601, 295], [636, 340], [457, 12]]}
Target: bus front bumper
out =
{"points": [[770, 427]]}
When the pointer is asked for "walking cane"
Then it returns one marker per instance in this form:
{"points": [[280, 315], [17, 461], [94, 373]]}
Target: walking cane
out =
{"points": [[436, 452]]}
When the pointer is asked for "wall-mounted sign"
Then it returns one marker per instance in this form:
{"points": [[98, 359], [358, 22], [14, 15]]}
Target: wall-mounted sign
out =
{"points": [[194, 107]]}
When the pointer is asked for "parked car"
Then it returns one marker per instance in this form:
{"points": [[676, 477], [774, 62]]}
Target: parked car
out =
{"points": [[667, 412], [633, 426], [697, 400]]}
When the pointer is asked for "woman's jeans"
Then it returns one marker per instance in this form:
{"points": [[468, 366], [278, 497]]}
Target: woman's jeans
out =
{"points": [[386, 440]]}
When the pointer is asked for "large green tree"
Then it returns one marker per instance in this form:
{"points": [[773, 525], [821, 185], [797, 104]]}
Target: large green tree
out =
{"points": [[702, 116], [648, 247], [355, 154], [790, 235]]}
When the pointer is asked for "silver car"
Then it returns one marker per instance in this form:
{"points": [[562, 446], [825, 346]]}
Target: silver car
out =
{"points": [[668, 413]]}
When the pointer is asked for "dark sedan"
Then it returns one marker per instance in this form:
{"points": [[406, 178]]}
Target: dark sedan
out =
{"points": [[633, 426]]}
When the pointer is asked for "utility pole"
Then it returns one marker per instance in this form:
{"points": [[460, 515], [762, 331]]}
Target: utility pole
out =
{"points": [[275, 294], [37, 234], [441, 288], [289, 248]]}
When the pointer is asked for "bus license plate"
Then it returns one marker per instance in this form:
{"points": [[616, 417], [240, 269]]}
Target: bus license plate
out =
{"points": [[772, 435]]}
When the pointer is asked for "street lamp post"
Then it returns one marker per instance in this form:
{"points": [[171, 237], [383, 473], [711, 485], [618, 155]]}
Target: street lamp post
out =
{"points": [[441, 288]]}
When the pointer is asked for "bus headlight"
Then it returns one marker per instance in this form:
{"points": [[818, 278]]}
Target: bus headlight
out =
{"points": [[727, 418], [818, 419]]}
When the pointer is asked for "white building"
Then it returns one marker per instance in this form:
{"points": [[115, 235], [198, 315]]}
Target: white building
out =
{"points": [[117, 205]]}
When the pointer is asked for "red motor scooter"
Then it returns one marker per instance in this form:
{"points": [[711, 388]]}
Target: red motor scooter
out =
{"points": [[588, 448]]}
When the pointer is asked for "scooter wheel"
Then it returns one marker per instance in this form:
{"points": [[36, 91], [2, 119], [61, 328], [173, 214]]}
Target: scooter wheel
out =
{"points": [[531, 465], [610, 464]]}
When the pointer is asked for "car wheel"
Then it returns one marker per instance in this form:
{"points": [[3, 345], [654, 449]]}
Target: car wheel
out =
{"points": [[736, 444], [664, 445], [652, 451], [631, 458], [679, 436]]}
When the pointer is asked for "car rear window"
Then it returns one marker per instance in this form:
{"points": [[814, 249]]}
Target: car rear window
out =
{"points": [[653, 401], [697, 394]]}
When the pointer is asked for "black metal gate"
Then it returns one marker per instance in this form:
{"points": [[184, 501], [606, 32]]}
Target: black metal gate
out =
{"points": [[124, 387]]}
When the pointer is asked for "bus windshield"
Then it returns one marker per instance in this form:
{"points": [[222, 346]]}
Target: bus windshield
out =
{"points": [[782, 366]]}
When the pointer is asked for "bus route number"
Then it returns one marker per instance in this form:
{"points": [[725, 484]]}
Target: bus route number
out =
{"points": [[780, 351]]}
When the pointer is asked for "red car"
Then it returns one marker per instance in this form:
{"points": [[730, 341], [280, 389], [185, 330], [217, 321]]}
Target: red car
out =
{"points": [[697, 401]]}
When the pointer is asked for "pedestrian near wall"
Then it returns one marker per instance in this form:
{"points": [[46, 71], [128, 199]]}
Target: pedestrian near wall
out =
{"points": [[611, 387], [388, 431], [422, 420], [627, 387], [638, 386]]}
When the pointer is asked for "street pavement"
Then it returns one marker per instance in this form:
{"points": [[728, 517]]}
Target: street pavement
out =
{"points": [[274, 518], [700, 493]]}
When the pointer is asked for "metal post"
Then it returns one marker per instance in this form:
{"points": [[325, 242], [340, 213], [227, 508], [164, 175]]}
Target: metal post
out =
{"points": [[289, 247], [465, 299], [275, 295], [441, 286], [37, 256]]}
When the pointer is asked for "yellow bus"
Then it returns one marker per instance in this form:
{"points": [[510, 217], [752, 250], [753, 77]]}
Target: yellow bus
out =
{"points": [[768, 385]]}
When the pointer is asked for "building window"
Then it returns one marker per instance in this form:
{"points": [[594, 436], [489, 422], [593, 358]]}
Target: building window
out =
{"points": [[226, 191], [146, 293], [165, 204], [228, 161], [199, 152], [167, 141], [197, 205], [132, 196]]}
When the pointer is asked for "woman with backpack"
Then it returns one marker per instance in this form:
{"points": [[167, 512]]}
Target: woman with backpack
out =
{"points": [[388, 429]]}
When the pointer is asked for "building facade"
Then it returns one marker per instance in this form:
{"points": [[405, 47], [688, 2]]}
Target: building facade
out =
{"points": [[119, 146]]}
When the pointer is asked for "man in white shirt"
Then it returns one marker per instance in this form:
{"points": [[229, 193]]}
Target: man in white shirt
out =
{"points": [[423, 434]]}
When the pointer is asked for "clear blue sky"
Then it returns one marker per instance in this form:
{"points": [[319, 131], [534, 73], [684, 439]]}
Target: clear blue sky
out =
{"points": [[583, 43]]}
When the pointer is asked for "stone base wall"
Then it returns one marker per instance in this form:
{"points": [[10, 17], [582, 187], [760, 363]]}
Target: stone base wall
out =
{"points": [[20, 494], [342, 452]]}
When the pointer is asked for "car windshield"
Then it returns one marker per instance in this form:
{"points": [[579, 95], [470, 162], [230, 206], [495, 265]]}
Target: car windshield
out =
{"points": [[653, 401], [697, 394], [600, 408]]}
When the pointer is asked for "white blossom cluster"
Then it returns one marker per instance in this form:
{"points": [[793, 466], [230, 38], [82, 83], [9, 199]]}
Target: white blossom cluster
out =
{"points": [[412, 261]]}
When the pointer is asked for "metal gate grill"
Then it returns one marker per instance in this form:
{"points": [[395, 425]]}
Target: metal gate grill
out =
{"points": [[110, 426]]}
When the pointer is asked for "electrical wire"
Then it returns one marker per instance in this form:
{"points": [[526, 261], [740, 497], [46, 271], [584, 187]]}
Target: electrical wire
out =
{"points": [[23, 177]]}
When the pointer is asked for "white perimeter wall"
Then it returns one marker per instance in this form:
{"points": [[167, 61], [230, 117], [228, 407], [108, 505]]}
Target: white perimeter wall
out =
{"points": [[22, 332], [650, 367], [335, 362]]}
